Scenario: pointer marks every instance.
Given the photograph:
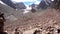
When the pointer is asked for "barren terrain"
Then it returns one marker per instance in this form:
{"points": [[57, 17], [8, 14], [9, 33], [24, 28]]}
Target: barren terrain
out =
{"points": [[40, 19]]}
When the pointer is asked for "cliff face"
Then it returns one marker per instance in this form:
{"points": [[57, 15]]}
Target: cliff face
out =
{"points": [[42, 5], [20, 5], [48, 3], [56, 4], [9, 3]]}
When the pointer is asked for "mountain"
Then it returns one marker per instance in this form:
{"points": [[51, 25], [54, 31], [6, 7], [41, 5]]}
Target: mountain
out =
{"points": [[9, 3], [56, 4], [20, 5], [42, 5], [33, 5]]}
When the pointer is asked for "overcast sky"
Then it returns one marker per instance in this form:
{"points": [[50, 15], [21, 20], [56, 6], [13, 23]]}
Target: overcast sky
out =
{"points": [[28, 2]]}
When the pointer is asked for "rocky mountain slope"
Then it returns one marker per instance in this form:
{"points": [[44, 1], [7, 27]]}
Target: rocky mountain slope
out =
{"points": [[40, 19]]}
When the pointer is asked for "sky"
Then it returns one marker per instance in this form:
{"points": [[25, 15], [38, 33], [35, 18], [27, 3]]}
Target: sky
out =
{"points": [[27, 2]]}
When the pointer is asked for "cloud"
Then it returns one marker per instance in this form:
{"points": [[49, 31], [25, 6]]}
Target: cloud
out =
{"points": [[37, 2], [23, 0], [27, 2]]}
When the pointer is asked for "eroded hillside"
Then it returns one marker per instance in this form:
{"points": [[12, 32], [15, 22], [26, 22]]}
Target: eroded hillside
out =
{"points": [[41, 19]]}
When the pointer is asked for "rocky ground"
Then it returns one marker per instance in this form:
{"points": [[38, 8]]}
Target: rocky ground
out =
{"points": [[44, 21]]}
